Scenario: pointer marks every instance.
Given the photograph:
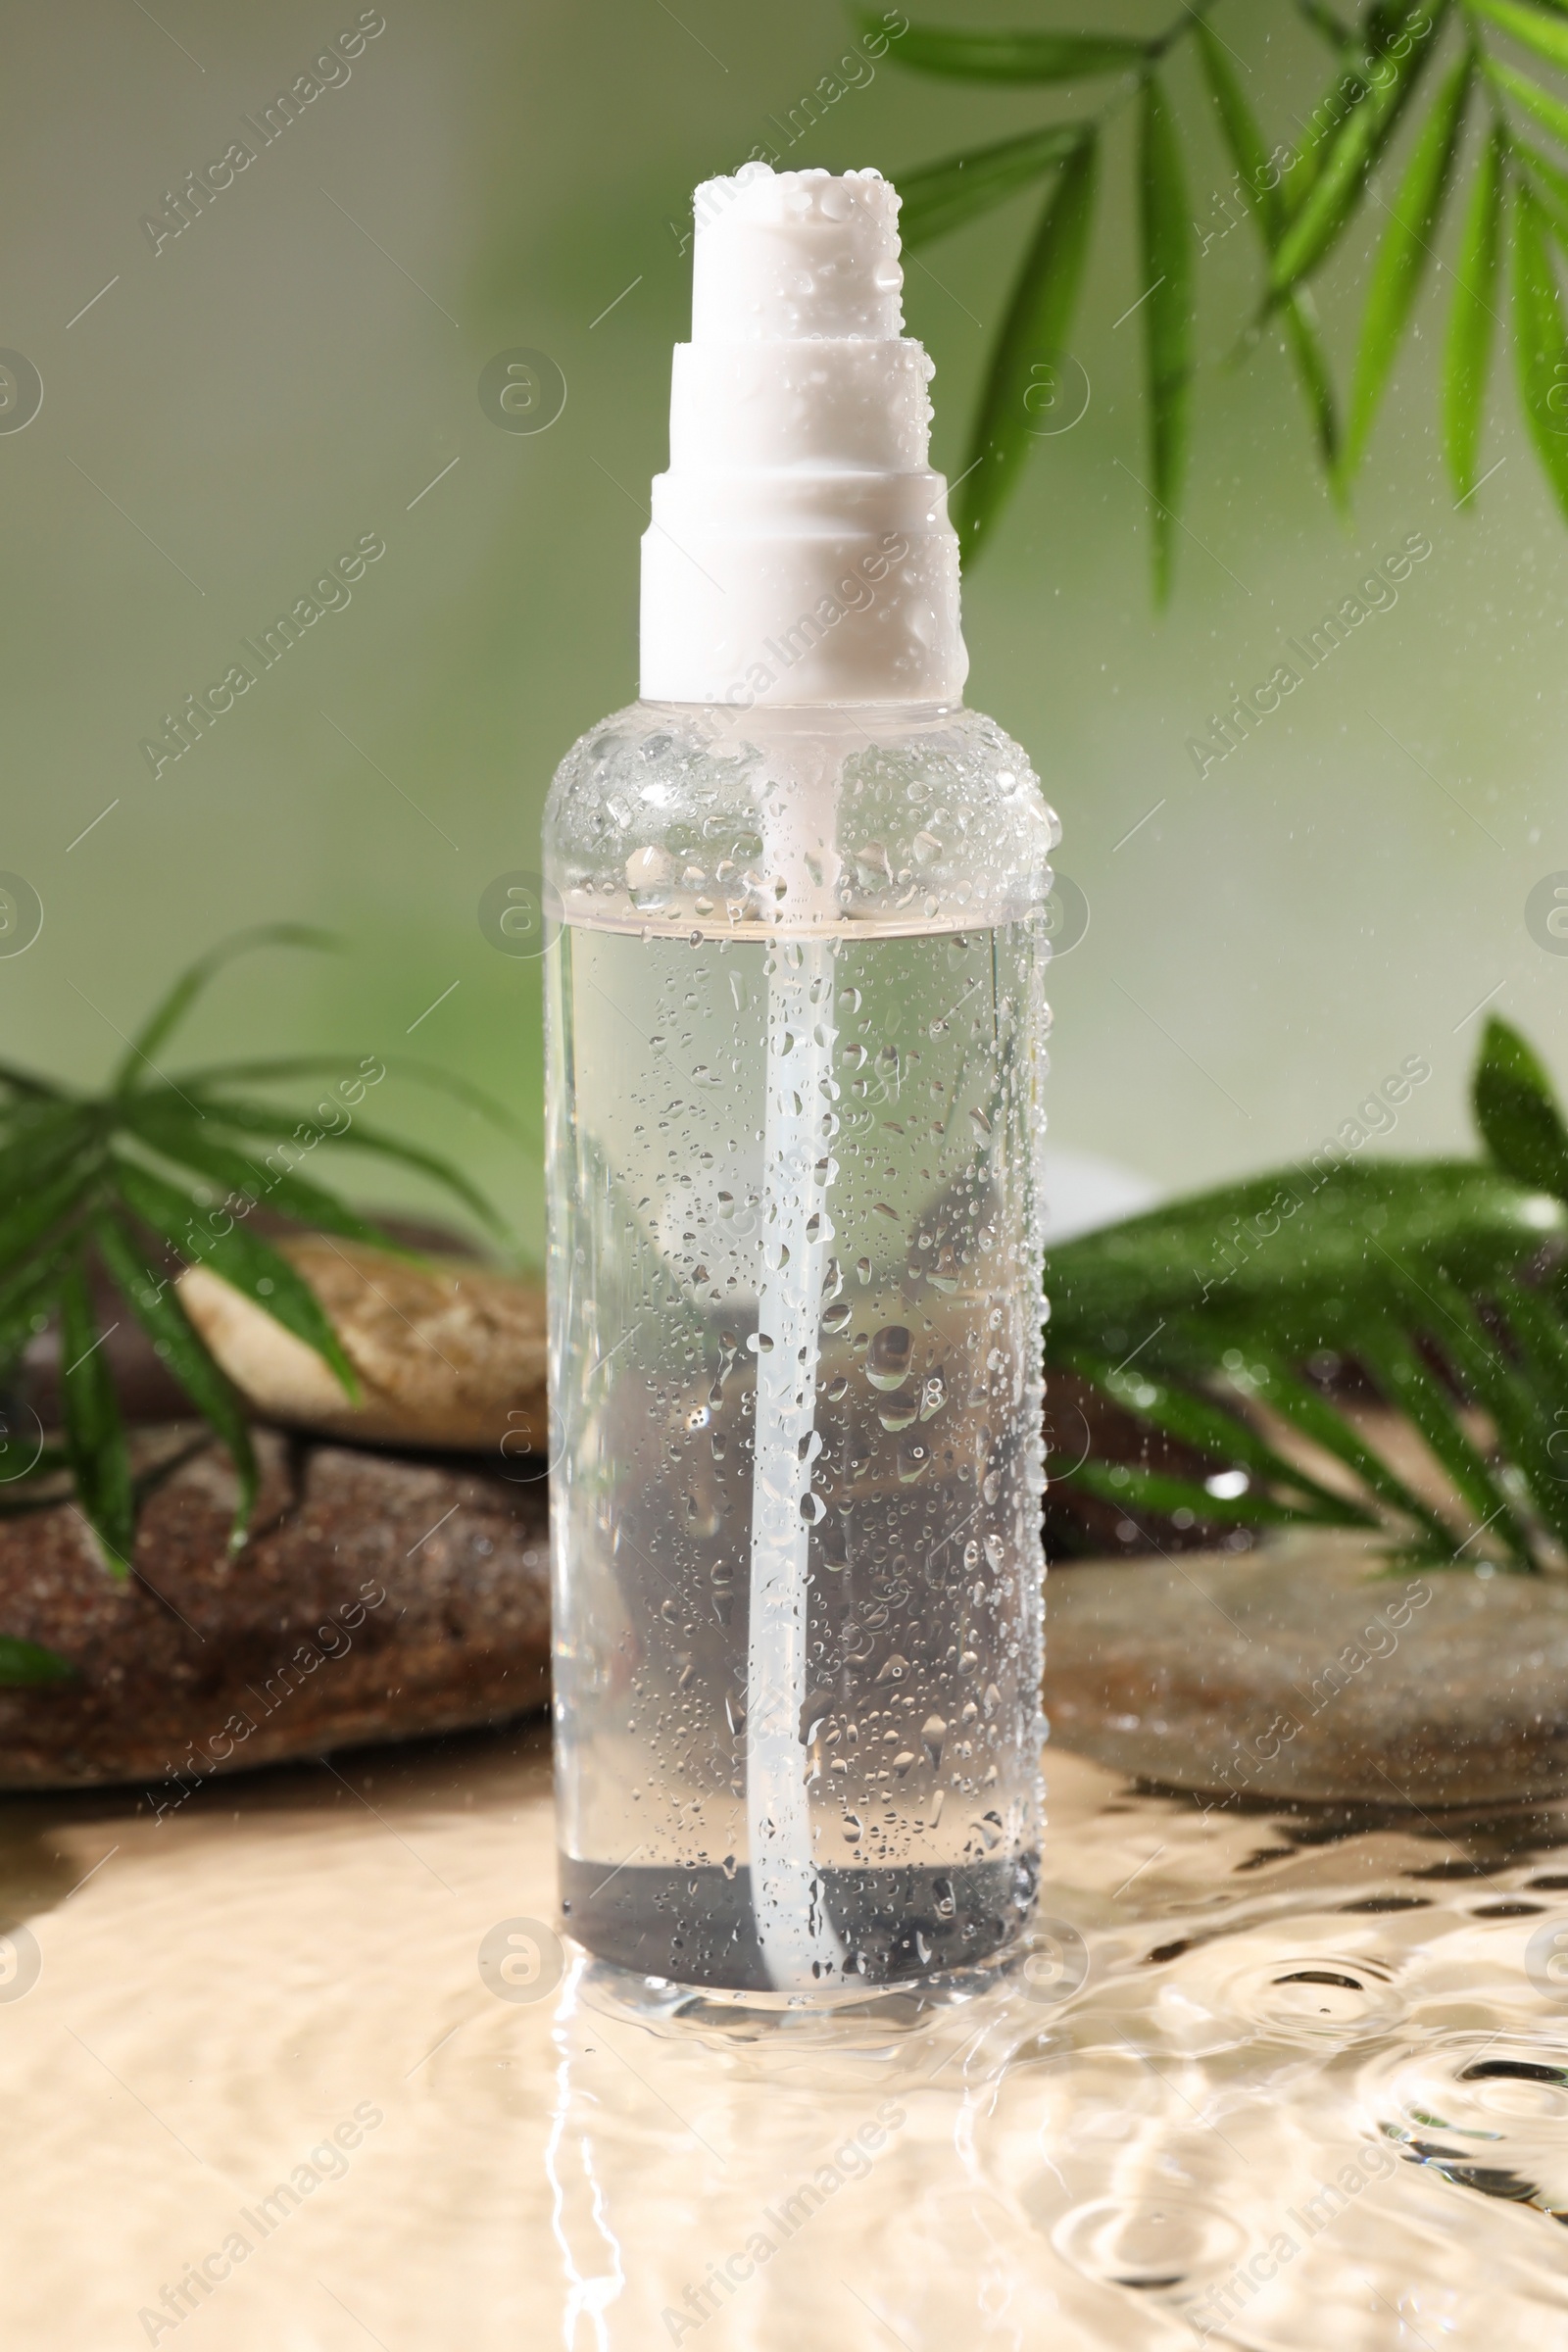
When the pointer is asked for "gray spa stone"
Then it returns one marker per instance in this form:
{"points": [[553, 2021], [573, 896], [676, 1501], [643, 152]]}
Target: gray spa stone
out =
{"points": [[1311, 1670]]}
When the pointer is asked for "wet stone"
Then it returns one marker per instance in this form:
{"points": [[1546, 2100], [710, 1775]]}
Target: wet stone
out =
{"points": [[1312, 1671], [447, 1354], [378, 1598]]}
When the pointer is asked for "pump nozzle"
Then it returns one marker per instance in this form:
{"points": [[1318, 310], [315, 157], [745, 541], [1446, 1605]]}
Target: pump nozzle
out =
{"points": [[800, 548]]}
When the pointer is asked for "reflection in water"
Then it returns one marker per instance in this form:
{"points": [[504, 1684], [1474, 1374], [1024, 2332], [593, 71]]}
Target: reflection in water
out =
{"points": [[1248, 2084], [590, 2255], [1276, 2082]]}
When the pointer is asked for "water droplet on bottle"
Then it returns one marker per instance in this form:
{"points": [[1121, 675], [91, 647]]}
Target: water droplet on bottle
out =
{"points": [[932, 1733], [914, 1459], [898, 1411], [649, 873], [887, 1363]]}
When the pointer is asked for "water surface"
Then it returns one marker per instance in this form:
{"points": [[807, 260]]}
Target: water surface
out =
{"points": [[1272, 2081]]}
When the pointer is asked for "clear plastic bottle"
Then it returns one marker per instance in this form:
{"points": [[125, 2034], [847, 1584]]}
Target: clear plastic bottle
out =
{"points": [[797, 1034]]}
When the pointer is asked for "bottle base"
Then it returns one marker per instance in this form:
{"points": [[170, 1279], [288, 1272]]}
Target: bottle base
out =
{"points": [[695, 1930]]}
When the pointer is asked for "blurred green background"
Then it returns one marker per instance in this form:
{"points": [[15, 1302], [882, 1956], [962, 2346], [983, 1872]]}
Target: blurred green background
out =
{"points": [[296, 367]]}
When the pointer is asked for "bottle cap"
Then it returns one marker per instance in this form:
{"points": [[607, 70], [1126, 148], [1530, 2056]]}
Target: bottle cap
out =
{"points": [[800, 550]]}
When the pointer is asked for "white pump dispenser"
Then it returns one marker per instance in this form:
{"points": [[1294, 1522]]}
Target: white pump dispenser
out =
{"points": [[800, 548]]}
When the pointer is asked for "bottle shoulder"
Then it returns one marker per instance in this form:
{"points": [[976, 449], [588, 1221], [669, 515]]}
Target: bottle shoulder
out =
{"points": [[908, 817]]}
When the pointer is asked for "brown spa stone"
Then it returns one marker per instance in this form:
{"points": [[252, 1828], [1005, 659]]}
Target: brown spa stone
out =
{"points": [[379, 1598], [1310, 1671]]}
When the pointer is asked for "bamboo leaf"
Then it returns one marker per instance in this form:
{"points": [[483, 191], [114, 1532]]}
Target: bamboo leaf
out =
{"points": [[1403, 255], [29, 1666], [250, 1265], [944, 195], [1531, 28], [1541, 340], [1168, 254], [1033, 335], [1549, 112], [158, 1309], [95, 1437], [1019, 57], [1473, 318], [1340, 163], [167, 1015], [1516, 1112]]}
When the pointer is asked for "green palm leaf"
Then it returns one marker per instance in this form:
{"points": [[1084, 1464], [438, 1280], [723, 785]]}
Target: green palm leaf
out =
{"points": [[1131, 1485], [250, 1265], [36, 1215], [326, 1065], [156, 1308], [944, 196], [1504, 1391], [1017, 57], [1549, 112], [1403, 255], [1323, 20], [1551, 185], [167, 1015], [78, 1171], [1546, 35], [1541, 340], [95, 1435], [1033, 336], [1473, 320], [1317, 1419], [1516, 1112], [1337, 165], [262, 1119], [186, 1139], [29, 1666], [1165, 218], [23, 1082], [1284, 1243], [1260, 185], [1196, 1420]]}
